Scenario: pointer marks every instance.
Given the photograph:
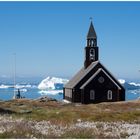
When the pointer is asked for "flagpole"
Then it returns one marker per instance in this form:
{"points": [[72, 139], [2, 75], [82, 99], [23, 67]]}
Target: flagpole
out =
{"points": [[14, 97]]}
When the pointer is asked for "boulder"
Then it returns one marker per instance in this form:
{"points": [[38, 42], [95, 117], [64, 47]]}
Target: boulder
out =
{"points": [[46, 99]]}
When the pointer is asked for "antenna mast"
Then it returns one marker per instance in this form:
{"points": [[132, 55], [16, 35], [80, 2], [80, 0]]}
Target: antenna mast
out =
{"points": [[14, 97]]}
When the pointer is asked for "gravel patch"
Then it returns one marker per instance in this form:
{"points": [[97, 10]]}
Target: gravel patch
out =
{"points": [[113, 129]]}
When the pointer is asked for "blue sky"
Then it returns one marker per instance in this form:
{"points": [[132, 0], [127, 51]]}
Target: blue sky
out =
{"points": [[49, 37]]}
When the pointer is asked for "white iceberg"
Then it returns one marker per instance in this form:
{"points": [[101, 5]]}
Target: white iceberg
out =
{"points": [[22, 90], [17, 86], [134, 84], [49, 83], [50, 92], [4, 86], [137, 91], [122, 81], [20, 86]]}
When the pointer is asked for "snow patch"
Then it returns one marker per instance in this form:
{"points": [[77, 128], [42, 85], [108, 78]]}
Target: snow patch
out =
{"points": [[66, 101]]}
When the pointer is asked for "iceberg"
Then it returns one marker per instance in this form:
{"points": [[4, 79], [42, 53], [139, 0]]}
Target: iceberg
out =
{"points": [[22, 90], [129, 85], [122, 81], [17, 86], [49, 83], [20, 86], [137, 91], [4, 86], [50, 92], [134, 84]]}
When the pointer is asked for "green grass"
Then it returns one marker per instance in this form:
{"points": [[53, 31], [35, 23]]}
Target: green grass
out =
{"points": [[79, 134], [67, 114]]}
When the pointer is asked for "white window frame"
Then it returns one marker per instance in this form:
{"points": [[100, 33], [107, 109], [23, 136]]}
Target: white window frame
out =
{"points": [[109, 94], [92, 94]]}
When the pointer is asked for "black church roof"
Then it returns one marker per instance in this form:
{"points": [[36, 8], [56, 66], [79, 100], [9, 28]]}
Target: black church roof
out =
{"points": [[83, 72], [80, 75], [91, 32], [94, 75]]}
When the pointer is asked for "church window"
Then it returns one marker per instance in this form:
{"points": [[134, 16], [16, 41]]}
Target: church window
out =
{"points": [[69, 93], [92, 95], [92, 43], [92, 54], [101, 79], [109, 95], [92, 51], [95, 43]]}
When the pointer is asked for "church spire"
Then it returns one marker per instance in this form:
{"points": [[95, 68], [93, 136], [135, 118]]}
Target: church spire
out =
{"points": [[91, 50], [91, 36], [91, 33]]}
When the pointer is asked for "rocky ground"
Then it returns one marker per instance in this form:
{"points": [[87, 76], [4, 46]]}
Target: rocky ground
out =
{"points": [[47, 118]]}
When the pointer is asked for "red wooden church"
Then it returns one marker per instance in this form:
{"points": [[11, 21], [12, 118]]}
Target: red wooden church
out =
{"points": [[93, 83]]}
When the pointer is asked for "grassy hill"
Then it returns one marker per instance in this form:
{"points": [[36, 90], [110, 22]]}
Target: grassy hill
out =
{"points": [[51, 119]]}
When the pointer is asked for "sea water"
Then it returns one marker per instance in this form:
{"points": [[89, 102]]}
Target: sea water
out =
{"points": [[34, 93], [30, 88], [29, 93]]}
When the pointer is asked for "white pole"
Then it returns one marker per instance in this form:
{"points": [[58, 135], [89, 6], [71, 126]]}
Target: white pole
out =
{"points": [[14, 97]]}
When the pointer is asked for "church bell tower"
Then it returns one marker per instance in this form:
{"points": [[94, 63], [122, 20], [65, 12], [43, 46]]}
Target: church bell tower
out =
{"points": [[91, 50]]}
